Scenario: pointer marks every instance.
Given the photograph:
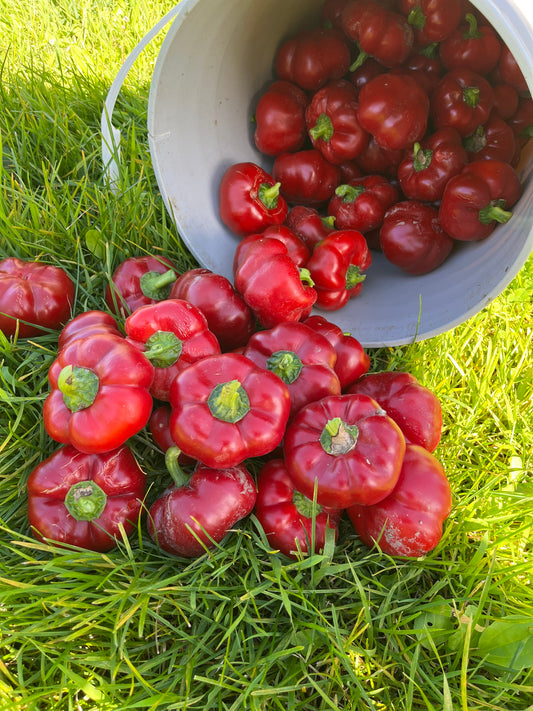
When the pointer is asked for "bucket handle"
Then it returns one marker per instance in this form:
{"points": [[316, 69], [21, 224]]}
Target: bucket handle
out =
{"points": [[110, 134]]}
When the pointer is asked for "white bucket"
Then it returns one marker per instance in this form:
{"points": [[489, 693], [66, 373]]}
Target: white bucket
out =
{"points": [[215, 60]]}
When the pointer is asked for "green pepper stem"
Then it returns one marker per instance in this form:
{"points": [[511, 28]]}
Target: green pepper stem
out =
{"points": [[473, 31], [305, 276], [349, 193], [422, 157], [179, 477], [323, 128], [79, 387], [354, 276], [494, 213], [286, 365], [360, 60], [269, 194], [86, 501], [416, 18], [229, 401], [471, 96], [163, 349], [155, 285], [338, 438]]}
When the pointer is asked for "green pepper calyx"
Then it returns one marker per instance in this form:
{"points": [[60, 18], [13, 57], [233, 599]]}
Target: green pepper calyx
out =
{"points": [[85, 501], [286, 365], [79, 387], [338, 438], [229, 401], [155, 285], [163, 349]]}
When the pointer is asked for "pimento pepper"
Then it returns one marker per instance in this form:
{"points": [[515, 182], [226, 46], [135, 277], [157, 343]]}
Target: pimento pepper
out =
{"points": [[197, 512], [346, 449], [226, 409], [88, 323], [306, 177], [408, 522], [471, 46], [292, 523], [411, 237], [463, 100], [34, 297], [280, 119], [478, 199], [86, 500], [361, 204], [301, 357], [172, 334], [271, 283], [508, 70], [308, 224], [432, 20], [376, 160], [249, 199], [139, 281], [332, 123], [100, 393], [494, 139], [337, 268]]}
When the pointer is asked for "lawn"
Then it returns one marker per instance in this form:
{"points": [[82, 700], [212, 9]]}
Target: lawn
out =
{"points": [[242, 627]]}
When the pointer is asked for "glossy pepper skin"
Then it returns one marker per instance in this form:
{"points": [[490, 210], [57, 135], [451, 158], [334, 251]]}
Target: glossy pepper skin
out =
{"points": [[228, 316], [478, 199], [280, 119], [409, 521], [34, 297], [139, 281], [226, 409], [99, 393], [337, 268], [306, 177], [301, 357], [286, 515], [494, 139], [432, 20], [463, 100], [361, 204], [249, 199], [411, 237], [309, 225], [88, 323], [471, 46], [347, 448], [271, 283], [172, 334], [415, 409], [196, 513], [84, 500]]}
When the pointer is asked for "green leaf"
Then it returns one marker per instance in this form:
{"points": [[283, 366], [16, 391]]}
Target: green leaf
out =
{"points": [[435, 623], [95, 243], [508, 643]]}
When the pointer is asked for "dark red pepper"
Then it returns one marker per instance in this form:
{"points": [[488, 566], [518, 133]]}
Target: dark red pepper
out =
{"points": [[471, 46], [139, 281], [494, 139], [280, 119], [308, 224], [506, 100], [362, 203], [306, 177], [432, 20], [376, 160], [508, 70], [463, 100]]}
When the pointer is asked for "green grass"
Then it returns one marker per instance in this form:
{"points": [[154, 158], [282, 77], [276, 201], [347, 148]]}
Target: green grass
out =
{"points": [[241, 628]]}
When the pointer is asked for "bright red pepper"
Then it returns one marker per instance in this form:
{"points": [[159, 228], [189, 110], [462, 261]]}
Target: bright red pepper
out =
{"points": [[280, 119], [415, 408], [346, 448], [301, 357], [332, 123], [228, 316], [352, 359], [172, 334], [478, 199], [226, 409], [394, 109], [271, 283], [471, 46], [378, 31], [428, 166], [34, 297], [411, 237], [306, 177], [409, 521], [99, 394], [494, 139], [139, 281], [86, 500], [362, 203], [298, 250], [337, 268], [463, 100], [308, 224], [86, 324], [313, 57], [291, 522], [432, 20], [249, 199], [196, 513]]}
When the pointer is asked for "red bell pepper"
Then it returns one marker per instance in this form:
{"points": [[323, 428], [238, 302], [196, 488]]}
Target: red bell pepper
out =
{"points": [[463, 100], [301, 357], [332, 123], [280, 119], [99, 394], [337, 268], [346, 448], [428, 166], [415, 409], [226, 409], [478, 199], [306, 177], [172, 334], [249, 199], [379, 32], [424, 66], [298, 251], [196, 513], [352, 359], [432, 20], [139, 281], [411, 237], [361, 204], [159, 427], [271, 283], [228, 316], [508, 70], [394, 109], [409, 521], [376, 160], [292, 523], [313, 57], [494, 139], [506, 100], [86, 324], [86, 500], [308, 224], [471, 46], [34, 297], [369, 69]]}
